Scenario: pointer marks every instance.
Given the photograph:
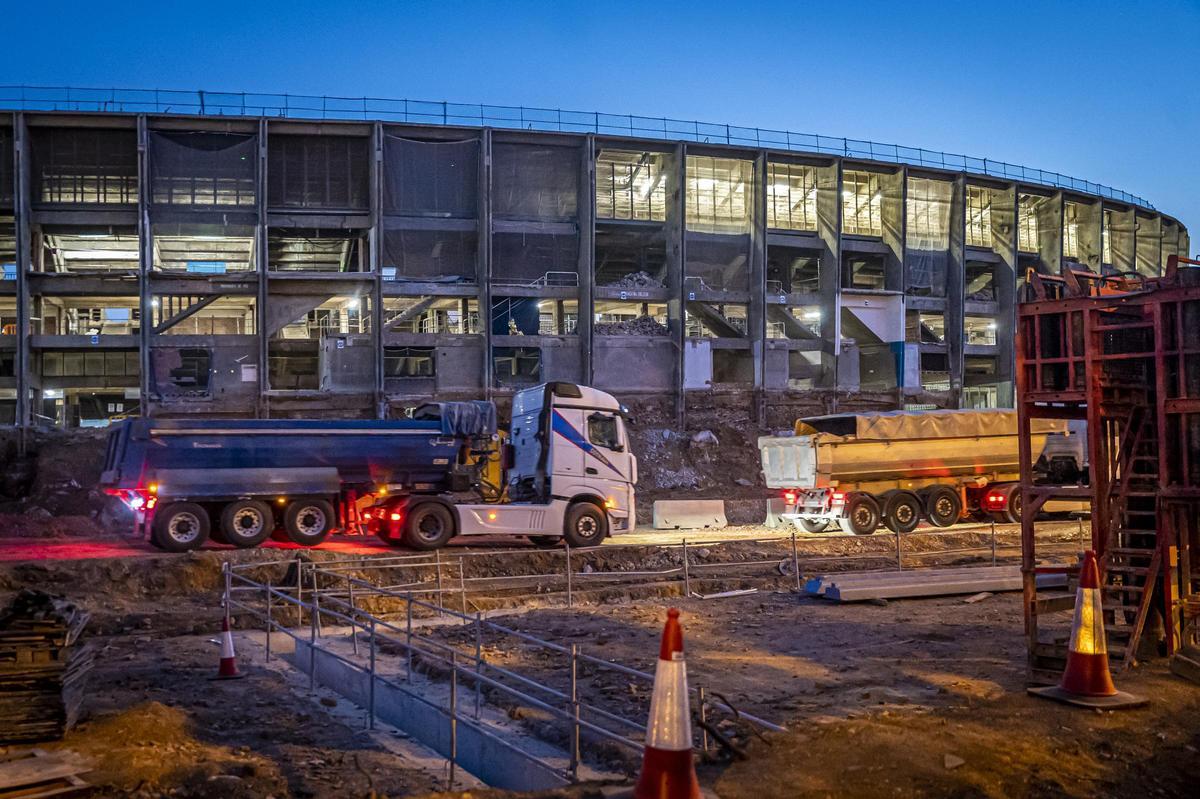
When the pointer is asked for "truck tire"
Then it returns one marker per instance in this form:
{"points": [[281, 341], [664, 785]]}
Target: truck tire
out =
{"points": [[180, 527], [429, 525], [862, 514], [585, 525], [1012, 507], [307, 522], [943, 506], [902, 512], [246, 523], [814, 525]]}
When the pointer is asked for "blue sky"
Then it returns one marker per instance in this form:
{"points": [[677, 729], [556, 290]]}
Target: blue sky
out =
{"points": [[1105, 91]]}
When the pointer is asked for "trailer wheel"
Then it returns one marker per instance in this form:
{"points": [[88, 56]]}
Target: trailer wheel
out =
{"points": [[1012, 507], [902, 512], [814, 525], [180, 527], [308, 521], [862, 514], [428, 526], [246, 523], [585, 525], [943, 506]]}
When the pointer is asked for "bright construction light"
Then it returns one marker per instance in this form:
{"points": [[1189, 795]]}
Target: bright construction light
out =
{"points": [[812, 315], [100, 255], [154, 303], [352, 303]]}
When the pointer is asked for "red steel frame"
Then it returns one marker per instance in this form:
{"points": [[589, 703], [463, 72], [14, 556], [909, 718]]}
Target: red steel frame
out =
{"points": [[1123, 354]]}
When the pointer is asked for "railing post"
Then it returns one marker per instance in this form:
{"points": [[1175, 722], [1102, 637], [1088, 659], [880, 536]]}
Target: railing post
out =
{"points": [[371, 689], [270, 624], [462, 588], [703, 713], [574, 712], [478, 661], [312, 648], [453, 714], [353, 614], [299, 591], [993, 542], [408, 638], [899, 557], [316, 602], [228, 579], [437, 559], [687, 578], [795, 559], [569, 597]]}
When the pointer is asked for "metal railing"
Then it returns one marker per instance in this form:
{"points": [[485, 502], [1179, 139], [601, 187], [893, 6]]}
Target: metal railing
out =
{"points": [[342, 598], [425, 112]]}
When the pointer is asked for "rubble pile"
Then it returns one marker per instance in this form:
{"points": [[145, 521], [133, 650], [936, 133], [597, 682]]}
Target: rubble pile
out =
{"points": [[637, 280], [42, 669], [641, 326]]}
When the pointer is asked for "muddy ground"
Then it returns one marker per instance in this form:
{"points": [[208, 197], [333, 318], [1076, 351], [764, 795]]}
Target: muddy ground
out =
{"points": [[878, 698]]}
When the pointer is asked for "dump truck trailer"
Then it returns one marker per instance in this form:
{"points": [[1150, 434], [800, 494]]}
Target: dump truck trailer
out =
{"points": [[899, 467], [562, 471]]}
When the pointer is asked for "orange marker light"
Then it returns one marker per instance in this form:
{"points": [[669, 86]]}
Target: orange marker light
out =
{"points": [[492, 516], [610, 503], [154, 488]]}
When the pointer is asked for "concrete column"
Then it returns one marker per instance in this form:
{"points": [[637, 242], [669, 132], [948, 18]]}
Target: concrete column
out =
{"points": [[1050, 234], [1148, 244], [375, 248], [829, 280], [956, 266], [587, 254], [1004, 242], [892, 206], [1088, 225], [1122, 234], [756, 319], [260, 258], [145, 263], [22, 192], [676, 255], [484, 256]]}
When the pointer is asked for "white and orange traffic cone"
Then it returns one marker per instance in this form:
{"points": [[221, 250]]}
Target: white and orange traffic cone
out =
{"points": [[1086, 681], [667, 768], [227, 670]]}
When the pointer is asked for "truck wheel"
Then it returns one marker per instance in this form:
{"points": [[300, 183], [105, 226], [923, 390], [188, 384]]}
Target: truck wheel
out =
{"points": [[862, 514], [428, 526], [902, 512], [585, 525], [943, 506], [180, 527], [246, 523], [1012, 508], [814, 525], [308, 521]]}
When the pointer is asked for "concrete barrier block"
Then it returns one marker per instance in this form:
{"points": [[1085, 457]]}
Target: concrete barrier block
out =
{"points": [[689, 514], [776, 507]]}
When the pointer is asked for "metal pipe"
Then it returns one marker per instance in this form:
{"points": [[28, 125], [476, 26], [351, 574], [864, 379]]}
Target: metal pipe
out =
{"points": [[408, 640], [353, 615], [993, 542], [570, 601], [462, 589], [795, 561], [270, 626], [703, 712], [453, 715], [899, 556], [478, 660], [316, 602], [687, 579]]}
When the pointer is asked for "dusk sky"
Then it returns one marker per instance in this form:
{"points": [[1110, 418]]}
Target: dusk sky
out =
{"points": [[1105, 91]]}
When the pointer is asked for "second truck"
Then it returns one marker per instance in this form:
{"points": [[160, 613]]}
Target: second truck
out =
{"points": [[857, 470], [563, 471]]}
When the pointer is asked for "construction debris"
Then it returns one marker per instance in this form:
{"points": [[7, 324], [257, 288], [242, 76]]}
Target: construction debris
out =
{"points": [[637, 280], [727, 594], [641, 326], [42, 669], [37, 773], [867, 586]]}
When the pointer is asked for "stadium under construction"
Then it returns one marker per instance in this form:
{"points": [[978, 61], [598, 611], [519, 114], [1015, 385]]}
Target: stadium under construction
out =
{"points": [[171, 253]]}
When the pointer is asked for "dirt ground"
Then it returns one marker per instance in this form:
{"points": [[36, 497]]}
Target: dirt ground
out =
{"points": [[875, 697]]}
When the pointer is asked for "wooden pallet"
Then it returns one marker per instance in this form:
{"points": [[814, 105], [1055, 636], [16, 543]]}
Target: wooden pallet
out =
{"points": [[36, 773]]}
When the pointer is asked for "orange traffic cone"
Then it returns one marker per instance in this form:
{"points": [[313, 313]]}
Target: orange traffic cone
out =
{"points": [[227, 670], [1086, 681], [667, 768]]}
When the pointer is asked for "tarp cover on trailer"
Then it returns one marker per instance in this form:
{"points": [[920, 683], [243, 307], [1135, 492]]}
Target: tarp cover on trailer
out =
{"points": [[474, 418], [891, 425]]}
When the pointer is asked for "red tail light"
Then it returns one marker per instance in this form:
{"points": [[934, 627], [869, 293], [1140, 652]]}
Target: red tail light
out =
{"points": [[367, 516], [839, 496], [395, 517], [790, 497], [995, 500], [150, 503]]}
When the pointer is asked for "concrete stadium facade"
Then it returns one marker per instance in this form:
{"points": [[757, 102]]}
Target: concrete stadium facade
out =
{"points": [[258, 265]]}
